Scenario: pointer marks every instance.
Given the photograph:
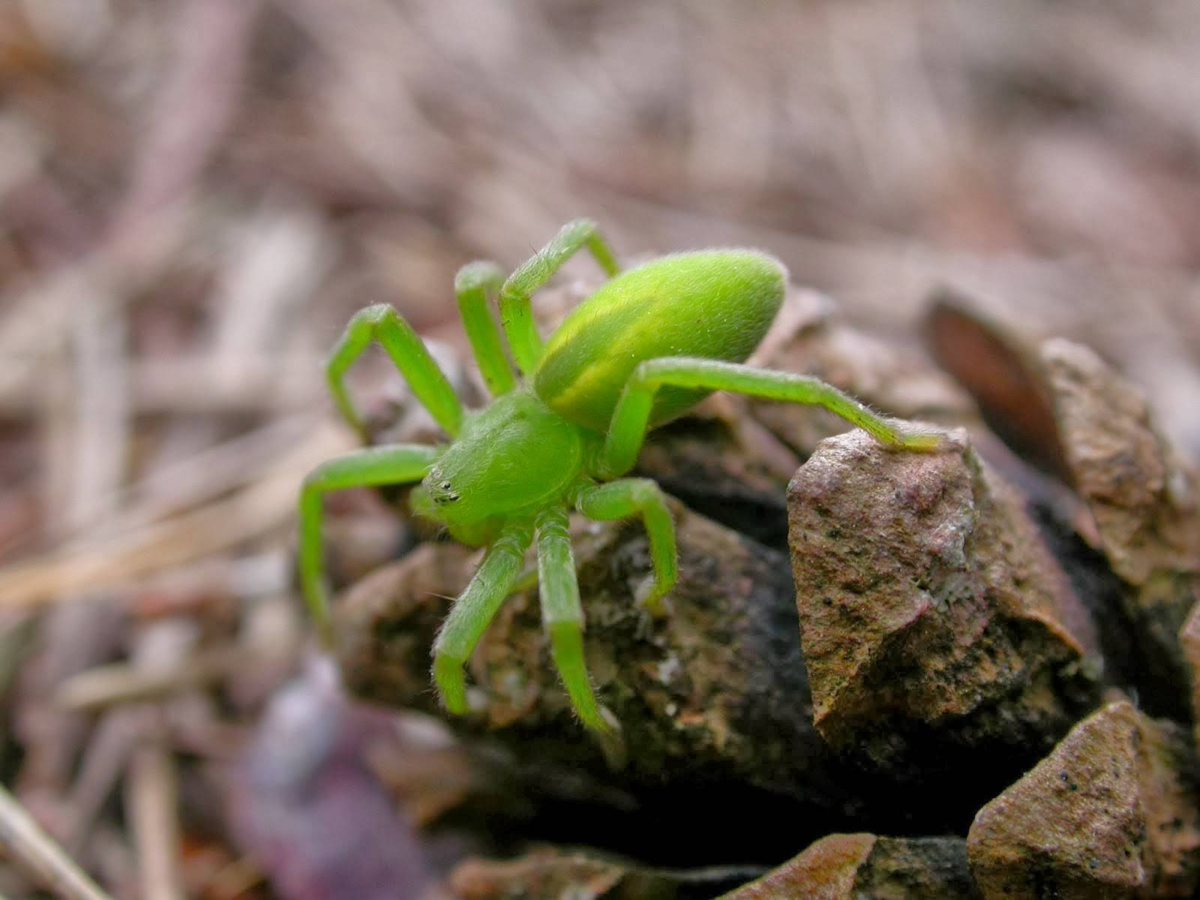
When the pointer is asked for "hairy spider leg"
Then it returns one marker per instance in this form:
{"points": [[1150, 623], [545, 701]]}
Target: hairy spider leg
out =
{"points": [[474, 285], [383, 324], [640, 497], [627, 429], [394, 464], [516, 314], [474, 610], [562, 613]]}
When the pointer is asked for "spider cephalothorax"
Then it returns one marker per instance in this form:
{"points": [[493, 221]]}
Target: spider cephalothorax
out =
{"points": [[647, 345]]}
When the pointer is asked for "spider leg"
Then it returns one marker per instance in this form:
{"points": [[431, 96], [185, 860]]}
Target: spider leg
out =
{"points": [[383, 324], [473, 285], [562, 613], [474, 610], [515, 312], [394, 464], [627, 429], [638, 497]]}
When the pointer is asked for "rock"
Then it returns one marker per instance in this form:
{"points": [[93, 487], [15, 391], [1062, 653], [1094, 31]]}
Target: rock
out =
{"points": [[1145, 503], [1145, 500], [1189, 640], [935, 625], [866, 867], [713, 699], [719, 680], [1111, 813]]}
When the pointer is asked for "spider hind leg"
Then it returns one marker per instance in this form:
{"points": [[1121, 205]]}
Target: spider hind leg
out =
{"points": [[630, 419]]}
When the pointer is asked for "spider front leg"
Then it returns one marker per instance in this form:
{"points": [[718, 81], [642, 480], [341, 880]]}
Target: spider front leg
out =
{"points": [[395, 464], [562, 613], [429, 384], [516, 313], [627, 429], [638, 497], [474, 610]]}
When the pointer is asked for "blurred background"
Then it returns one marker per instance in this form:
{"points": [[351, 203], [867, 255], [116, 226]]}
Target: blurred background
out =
{"points": [[196, 194]]}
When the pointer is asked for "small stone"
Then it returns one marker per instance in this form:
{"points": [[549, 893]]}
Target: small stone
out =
{"points": [[1189, 640], [1144, 500], [1110, 813], [932, 616], [866, 867]]}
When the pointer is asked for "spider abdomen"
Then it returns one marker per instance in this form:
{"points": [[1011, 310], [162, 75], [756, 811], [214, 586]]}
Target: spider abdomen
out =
{"points": [[716, 304]]}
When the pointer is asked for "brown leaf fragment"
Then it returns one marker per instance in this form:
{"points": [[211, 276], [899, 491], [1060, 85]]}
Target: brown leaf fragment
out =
{"points": [[1110, 813], [551, 875], [930, 610], [998, 365]]}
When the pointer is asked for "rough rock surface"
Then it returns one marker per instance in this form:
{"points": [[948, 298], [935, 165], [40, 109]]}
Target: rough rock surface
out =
{"points": [[931, 614], [713, 698], [1111, 813], [1144, 500], [866, 867], [1189, 640], [720, 679]]}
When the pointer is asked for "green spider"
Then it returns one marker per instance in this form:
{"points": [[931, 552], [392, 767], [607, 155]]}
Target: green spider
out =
{"points": [[648, 344]]}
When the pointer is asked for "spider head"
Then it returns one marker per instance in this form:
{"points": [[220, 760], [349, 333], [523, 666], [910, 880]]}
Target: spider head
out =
{"points": [[510, 457], [441, 492]]}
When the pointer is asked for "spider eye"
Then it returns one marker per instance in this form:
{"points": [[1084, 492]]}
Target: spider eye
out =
{"points": [[445, 485]]}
